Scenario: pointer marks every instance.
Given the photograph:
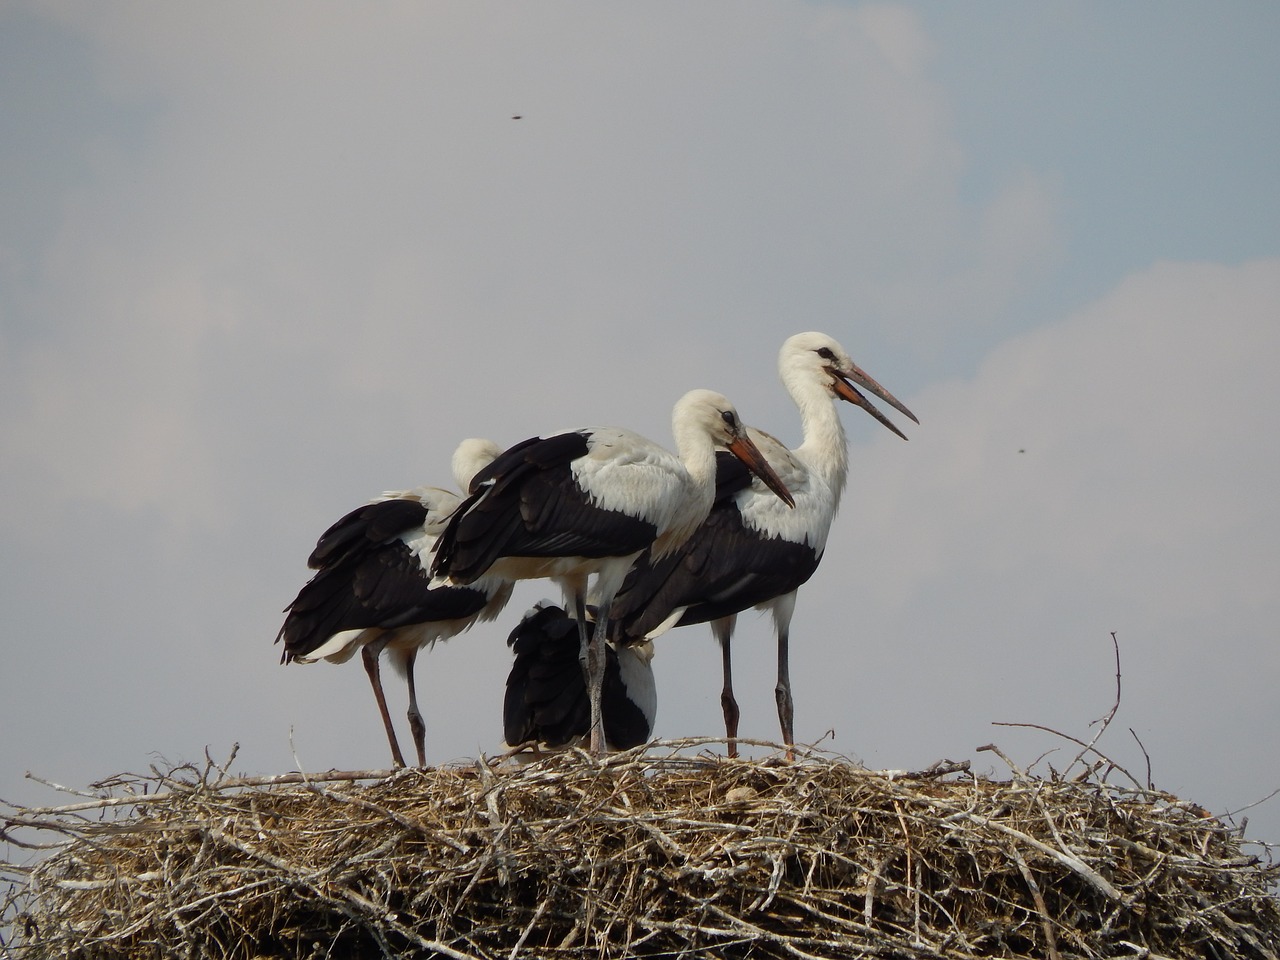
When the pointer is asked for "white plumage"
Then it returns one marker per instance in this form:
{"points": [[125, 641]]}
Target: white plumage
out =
{"points": [[750, 551], [373, 590], [586, 503]]}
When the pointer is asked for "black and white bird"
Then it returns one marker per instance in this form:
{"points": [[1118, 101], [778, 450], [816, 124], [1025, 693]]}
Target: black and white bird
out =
{"points": [[748, 552], [588, 502], [373, 589], [546, 704]]}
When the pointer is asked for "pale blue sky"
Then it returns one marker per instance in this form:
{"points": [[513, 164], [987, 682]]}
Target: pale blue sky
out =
{"points": [[1156, 124], [258, 264]]}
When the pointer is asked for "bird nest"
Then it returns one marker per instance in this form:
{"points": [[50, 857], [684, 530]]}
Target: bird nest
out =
{"points": [[661, 851]]}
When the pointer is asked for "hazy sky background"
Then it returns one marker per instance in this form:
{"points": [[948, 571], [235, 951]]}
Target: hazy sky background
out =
{"points": [[260, 262]]}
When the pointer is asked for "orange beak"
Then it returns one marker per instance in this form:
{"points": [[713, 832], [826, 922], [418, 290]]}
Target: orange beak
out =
{"points": [[846, 390], [750, 454]]}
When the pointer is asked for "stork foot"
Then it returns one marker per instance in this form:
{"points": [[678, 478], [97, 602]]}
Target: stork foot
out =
{"points": [[786, 717], [418, 727], [729, 704]]}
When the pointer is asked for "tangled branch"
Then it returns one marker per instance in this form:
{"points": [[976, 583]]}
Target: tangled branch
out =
{"points": [[661, 851]]}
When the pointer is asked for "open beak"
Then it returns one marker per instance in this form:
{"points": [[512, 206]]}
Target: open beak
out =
{"points": [[846, 390], [750, 454]]}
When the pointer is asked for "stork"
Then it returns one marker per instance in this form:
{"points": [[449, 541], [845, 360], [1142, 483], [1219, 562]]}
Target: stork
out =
{"points": [[372, 590], [587, 502], [546, 702], [749, 553]]}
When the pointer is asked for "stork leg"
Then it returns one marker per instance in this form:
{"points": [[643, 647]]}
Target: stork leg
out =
{"points": [[592, 656], [370, 654], [782, 693], [782, 610], [584, 639], [580, 611], [595, 680], [723, 631], [417, 726]]}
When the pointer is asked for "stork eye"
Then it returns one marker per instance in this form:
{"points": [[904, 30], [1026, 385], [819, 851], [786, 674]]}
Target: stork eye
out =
{"points": [[729, 419], [826, 353]]}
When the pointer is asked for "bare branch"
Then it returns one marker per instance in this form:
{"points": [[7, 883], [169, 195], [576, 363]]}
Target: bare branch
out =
{"points": [[662, 851]]}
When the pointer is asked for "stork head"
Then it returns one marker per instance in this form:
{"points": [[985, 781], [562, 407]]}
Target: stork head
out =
{"points": [[470, 458], [712, 413], [816, 356]]}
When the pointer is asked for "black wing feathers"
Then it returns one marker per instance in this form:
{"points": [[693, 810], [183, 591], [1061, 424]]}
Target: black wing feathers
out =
{"points": [[515, 455], [724, 568], [480, 529], [527, 504], [732, 476], [546, 699], [370, 578], [785, 567], [371, 524]]}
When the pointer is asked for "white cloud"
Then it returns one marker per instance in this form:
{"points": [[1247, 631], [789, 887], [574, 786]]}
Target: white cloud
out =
{"points": [[1141, 418], [898, 34], [344, 201], [322, 251], [1111, 471]]}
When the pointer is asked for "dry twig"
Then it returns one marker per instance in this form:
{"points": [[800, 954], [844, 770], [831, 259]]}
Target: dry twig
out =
{"points": [[660, 851]]}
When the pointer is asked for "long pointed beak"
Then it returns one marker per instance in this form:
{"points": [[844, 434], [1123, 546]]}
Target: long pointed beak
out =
{"points": [[847, 391], [867, 382], [750, 454]]}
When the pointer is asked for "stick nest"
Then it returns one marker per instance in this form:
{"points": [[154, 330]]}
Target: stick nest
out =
{"points": [[657, 852]]}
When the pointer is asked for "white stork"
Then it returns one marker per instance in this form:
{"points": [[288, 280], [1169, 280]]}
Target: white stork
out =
{"points": [[749, 553], [588, 502], [546, 703], [373, 591]]}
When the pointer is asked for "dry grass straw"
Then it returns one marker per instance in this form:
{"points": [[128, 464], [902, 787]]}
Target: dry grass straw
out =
{"points": [[662, 851]]}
